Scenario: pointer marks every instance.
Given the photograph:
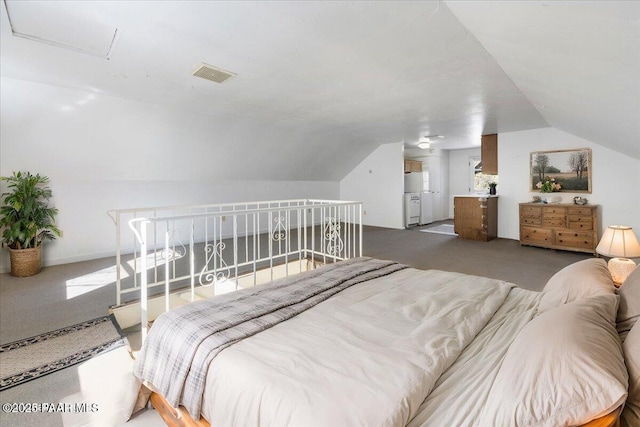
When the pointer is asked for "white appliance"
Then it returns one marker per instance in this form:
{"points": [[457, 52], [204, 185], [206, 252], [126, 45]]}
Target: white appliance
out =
{"points": [[411, 209], [413, 182], [426, 207]]}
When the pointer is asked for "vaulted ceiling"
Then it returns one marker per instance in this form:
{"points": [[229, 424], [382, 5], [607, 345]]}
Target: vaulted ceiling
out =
{"points": [[326, 82]]}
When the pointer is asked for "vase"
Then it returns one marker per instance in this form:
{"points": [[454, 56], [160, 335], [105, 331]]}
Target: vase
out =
{"points": [[492, 190]]}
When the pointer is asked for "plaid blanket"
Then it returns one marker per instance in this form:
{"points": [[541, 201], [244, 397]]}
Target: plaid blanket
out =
{"points": [[182, 343]]}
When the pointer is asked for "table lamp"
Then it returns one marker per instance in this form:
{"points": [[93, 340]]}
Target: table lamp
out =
{"points": [[620, 243]]}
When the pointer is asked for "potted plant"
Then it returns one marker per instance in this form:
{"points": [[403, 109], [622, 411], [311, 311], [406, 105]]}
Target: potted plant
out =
{"points": [[492, 187], [26, 219]]}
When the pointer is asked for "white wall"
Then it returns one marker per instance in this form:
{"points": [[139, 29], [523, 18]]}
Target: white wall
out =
{"points": [[378, 181], [615, 179], [104, 153]]}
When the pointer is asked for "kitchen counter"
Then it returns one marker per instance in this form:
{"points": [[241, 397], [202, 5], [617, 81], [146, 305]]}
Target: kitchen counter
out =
{"points": [[475, 216], [477, 196]]}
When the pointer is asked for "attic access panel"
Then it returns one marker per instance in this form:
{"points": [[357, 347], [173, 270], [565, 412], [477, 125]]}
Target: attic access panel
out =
{"points": [[73, 26]]}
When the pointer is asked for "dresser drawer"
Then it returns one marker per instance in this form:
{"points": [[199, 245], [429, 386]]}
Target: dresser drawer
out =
{"points": [[581, 225], [531, 211], [575, 210], [578, 222], [554, 217], [574, 239], [554, 221], [536, 235], [554, 211], [530, 220]]}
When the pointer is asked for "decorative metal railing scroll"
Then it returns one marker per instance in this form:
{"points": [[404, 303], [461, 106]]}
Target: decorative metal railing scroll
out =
{"points": [[334, 245], [279, 233], [229, 245], [207, 277]]}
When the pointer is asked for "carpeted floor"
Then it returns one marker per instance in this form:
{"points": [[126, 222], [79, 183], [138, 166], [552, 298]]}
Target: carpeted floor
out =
{"points": [[69, 294]]}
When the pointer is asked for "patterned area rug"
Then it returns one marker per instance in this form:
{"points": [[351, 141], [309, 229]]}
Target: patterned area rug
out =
{"points": [[34, 357], [441, 229]]}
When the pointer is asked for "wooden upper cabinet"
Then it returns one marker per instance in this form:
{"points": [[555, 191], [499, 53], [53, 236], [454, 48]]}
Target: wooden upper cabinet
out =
{"points": [[490, 154], [412, 166]]}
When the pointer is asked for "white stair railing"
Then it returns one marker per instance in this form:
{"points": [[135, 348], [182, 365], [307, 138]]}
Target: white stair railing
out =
{"points": [[227, 246]]}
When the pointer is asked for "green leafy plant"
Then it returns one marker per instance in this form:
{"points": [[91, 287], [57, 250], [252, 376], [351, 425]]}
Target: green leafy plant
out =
{"points": [[26, 219], [549, 185]]}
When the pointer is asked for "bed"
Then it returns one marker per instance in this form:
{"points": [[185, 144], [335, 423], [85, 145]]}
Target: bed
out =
{"points": [[367, 342]]}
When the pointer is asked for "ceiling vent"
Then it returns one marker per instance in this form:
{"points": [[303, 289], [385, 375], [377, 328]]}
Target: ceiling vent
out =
{"points": [[212, 73]]}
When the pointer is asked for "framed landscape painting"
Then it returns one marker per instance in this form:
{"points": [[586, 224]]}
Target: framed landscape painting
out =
{"points": [[571, 169]]}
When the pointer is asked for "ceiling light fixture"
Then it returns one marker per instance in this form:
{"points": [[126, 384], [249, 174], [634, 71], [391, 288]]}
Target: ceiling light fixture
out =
{"points": [[425, 141]]}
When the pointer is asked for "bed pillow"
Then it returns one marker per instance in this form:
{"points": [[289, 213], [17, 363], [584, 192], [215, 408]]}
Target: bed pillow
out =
{"points": [[631, 347], [582, 279], [564, 368], [629, 310]]}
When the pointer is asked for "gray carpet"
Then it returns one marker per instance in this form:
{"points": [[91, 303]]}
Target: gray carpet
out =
{"points": [[503, 259], [34, 305]]}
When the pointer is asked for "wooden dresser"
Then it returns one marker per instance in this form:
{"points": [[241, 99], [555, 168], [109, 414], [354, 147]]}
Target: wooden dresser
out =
{"points": [[476, 217], [559, 226]]}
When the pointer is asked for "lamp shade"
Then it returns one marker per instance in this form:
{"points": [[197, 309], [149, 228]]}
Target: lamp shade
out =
{"points": [[619, 241]]}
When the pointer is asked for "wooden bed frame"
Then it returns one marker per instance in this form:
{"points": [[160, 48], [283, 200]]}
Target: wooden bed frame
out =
{"points": [[180, 417]]}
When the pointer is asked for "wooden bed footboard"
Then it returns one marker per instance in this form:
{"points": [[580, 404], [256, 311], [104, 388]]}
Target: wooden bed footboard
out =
{"points": [[181, 418], [610, 420], [176, 417]]}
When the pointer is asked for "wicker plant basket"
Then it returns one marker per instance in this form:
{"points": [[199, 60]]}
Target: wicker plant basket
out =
{"points": [[25, 262]]}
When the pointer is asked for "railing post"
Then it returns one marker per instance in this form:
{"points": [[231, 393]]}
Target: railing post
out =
{"points": [[360, 237], [118, 262], [192, 262], [143, 280], [167, 278], [235, 248]]}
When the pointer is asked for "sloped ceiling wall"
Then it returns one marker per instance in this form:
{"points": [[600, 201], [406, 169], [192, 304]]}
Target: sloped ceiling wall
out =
{"points": [[322, 84], [577, 62]]}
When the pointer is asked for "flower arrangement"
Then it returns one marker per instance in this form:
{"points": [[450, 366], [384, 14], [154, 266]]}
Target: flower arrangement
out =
{"points": [[549, 185]]}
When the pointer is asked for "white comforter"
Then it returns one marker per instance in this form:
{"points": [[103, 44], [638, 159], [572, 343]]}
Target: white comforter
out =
{"points": [[462, 390], [366, 357]]}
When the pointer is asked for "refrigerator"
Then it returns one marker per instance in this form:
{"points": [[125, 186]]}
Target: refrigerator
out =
{"points": [[416, 184], [426, 207]]}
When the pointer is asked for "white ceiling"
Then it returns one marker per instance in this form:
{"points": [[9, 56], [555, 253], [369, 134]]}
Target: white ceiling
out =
{"points": [[327, 82]]}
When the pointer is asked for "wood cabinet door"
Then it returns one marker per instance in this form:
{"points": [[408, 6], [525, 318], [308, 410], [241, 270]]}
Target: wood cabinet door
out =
{"points": [[412, 166], [468, 218], [489, 152]]}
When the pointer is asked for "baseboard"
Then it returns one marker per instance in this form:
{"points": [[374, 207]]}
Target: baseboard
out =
{"points": [[68, 260]]}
